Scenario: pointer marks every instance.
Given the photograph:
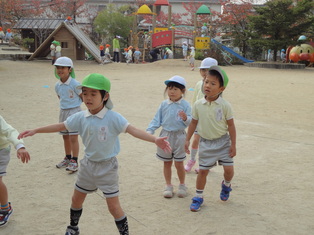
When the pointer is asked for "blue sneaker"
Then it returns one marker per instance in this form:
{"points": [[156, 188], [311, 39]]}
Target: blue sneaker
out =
{"points": [[196, 203], [225, 191], [5, 215]]}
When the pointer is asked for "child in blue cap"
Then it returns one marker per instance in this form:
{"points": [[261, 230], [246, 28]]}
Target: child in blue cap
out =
{"points": [[174, 116]]}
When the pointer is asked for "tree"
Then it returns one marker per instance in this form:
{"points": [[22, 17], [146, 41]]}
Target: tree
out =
{"points": [[65, 8], [112, 21], [279, 23], [233, 23], [13, 10]]}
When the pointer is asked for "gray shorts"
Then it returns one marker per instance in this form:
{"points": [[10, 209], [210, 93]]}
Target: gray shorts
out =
{"points": [[98, 175], [213, 151], [177, 141], [4, 160], [64, 114]]}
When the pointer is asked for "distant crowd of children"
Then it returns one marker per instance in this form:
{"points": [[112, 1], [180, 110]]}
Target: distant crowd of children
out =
{"points": [[133, 55], [209, 119]]}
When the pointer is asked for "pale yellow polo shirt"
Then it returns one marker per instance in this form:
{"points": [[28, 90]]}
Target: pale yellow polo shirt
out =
{"points": [[198, 94], [212, 117]]}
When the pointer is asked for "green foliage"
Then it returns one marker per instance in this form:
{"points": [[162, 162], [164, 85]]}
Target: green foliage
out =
{"points": [[26, 42], [279, 23], [112, 21], [199, 54]]}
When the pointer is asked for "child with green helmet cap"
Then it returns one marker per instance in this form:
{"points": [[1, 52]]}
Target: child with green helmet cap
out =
{"points": [[69, 94], [198, 94], [99, 128], [213, 117]]}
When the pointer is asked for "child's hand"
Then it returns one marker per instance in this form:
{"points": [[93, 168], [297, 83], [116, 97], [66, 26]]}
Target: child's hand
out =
{"points": [[186, 146], [26, 133], [182, 115], [23, 155], [162, 143], [232, 151]]}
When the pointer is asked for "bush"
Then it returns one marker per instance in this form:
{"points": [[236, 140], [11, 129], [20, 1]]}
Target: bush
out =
{"points": [[26, 42]]}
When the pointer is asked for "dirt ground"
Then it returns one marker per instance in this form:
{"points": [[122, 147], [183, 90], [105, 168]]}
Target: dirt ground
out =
{"points": [[272, 188]]}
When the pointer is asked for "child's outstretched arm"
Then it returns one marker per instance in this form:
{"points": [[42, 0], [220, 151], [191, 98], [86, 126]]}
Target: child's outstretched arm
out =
{"points": [[45, 129], [161, 142], [232, 134]]}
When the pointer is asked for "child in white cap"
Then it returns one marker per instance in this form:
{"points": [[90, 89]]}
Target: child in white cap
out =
{"points": [[69, 94], [213, 117], [99, 128], [198, 94], [174, 116]]}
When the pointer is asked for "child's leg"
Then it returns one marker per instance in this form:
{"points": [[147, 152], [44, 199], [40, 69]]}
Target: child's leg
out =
{"points": [[67, 144], [116, 211], [167, 172], [226, 183], [228, 174], [182, 190], [180, 171], [74, 146], [168, 192], [194, 149], [201, 182], [3, 193], [198, 200], [75, 211]]}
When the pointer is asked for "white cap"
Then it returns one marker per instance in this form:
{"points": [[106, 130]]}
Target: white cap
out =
{"points": [[64, 61], [208, 62], [176, 79]]}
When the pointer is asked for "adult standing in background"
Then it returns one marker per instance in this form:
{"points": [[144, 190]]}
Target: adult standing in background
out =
{"points": [[116, 49]]}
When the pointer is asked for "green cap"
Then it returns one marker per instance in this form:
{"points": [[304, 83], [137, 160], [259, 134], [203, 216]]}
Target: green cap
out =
{"points": [[222, 74], [56, 42], [98, 82]]}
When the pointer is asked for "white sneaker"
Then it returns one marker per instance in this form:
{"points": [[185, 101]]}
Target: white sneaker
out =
{"points": [[64, 163], [73, 166], [182, 191], [168, 192]]}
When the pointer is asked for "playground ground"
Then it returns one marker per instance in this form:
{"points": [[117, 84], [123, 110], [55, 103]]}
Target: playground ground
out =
{"points": [[272, 188]]}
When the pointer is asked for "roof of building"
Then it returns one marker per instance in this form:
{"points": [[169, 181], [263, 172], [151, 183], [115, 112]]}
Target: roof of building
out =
{"points": [[36, 23], [74, 29]]}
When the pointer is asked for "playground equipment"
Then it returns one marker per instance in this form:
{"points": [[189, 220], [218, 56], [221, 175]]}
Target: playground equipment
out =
{"points": [[202, 41], [228, 59], [301, 53]]}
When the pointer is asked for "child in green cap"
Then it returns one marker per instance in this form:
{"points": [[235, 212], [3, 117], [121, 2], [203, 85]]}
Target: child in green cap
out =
{"points": [[99, 128], [213, 117]]}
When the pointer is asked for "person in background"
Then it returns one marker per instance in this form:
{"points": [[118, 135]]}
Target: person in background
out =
{"points": [[185, 50], [116, 49]]}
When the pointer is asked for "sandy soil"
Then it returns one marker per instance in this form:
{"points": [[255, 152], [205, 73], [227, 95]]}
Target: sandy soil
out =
{"points": [[272, 188]]}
